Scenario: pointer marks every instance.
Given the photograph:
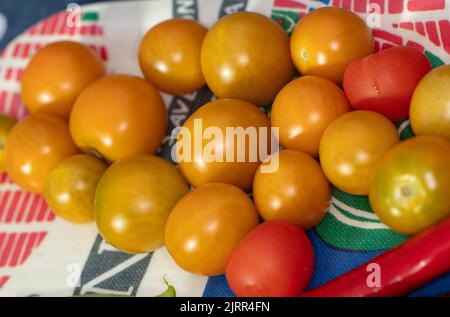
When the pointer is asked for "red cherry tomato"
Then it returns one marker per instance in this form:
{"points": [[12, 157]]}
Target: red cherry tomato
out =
{"points": [[275, 259], [384, 82]]}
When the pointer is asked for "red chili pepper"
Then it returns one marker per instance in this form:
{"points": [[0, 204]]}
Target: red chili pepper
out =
{"points": [[403, 269]]}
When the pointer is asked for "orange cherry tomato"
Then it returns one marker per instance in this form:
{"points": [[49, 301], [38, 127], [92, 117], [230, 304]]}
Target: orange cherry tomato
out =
{"points": [[351, 146], [245, 55], [169, 56], [119, 116], [57, 74], [297, 192], [133, 200], [206, 226], [410, 186], [69, 188], [326, 40], [303, 109], [430, 104], [222, 114], [34, 146], [6, 124]]}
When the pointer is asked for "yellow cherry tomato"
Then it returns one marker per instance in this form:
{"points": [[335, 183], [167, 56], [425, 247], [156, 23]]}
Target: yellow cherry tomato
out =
{"points": [[207, 225], [303, 109], [133, 200], [351, 146], [6, 124], [410, 186], [69, 188], [430, 104], [34, 146], [119, 116], [219, 115], [57, 74], [245, 55], [326, 40], [169, 56], [297, 191]]}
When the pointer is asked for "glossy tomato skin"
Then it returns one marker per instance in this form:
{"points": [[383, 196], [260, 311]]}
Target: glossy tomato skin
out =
{"points": [[222, 114], [133, 200], [326, 40], [169, 56], [34, 146], [410, 185], [430, 104], [274, 259], [69, 188], [57, 74], [352, 145], [385, 81], [6, 124], [206, 226], [119, 116], [245, 55], [303, 109], [297, 192]]}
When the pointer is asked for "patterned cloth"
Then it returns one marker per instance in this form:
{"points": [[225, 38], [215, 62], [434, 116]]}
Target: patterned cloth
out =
{"points": [[42, 255], [14, 20]]}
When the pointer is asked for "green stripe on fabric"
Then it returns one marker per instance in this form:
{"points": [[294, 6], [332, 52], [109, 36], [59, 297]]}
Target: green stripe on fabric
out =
{"points": [[355, 217], [90, 16], [359, 202], [346, 237], [434, 60]]}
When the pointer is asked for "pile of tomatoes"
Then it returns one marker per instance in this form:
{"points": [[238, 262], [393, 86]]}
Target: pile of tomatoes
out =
{"points": [[89, 143]]}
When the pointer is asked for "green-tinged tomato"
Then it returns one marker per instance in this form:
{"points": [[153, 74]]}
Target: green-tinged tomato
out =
{"points": [[133, 200], [430, 104], [352, 145], [6, 124], [410, 185], [69, 188]]}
